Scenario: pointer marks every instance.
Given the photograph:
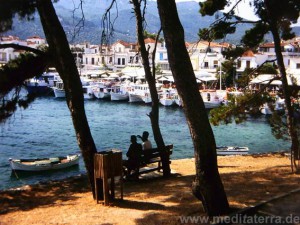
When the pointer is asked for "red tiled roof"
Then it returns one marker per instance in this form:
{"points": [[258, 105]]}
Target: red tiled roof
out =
{"points": [[126, 44], [248, 53], [35, 37], [149, 40]]}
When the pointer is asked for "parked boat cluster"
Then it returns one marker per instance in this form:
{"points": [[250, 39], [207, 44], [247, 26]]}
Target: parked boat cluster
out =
{"points": [[117, 87], [132, 87]]}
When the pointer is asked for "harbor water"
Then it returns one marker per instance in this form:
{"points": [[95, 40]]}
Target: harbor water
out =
{"points": [[45, 130]]}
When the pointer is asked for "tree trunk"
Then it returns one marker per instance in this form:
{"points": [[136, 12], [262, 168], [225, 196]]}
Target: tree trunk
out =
{"points": [[295, 152], [150, 77], [66, 67], [207, 185]]}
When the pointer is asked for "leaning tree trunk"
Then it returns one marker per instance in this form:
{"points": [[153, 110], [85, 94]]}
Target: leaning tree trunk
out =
{"points": [[295, 151], [66, 67], [154, 114], [207, 185]]}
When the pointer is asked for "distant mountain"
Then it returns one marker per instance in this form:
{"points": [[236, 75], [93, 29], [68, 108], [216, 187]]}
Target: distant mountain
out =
{"points": [[124, 26]]}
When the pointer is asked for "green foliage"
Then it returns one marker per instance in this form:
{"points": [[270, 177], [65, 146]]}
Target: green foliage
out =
{"points": [[9, 9], [158, 69], [279, 126], [255, 36], [209, 7], [267, 69], [220, 30], [228, 72], [16, 71], [283, 13], [10, 103], [233, 53], [152, 36], [239, 107]]}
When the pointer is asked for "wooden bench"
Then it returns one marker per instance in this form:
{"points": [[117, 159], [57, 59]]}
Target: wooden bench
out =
{"points": [[151, 157]]}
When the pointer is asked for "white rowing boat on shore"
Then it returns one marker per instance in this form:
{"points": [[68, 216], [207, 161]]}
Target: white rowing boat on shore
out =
{"points": [[43, 164], [232, 150]]}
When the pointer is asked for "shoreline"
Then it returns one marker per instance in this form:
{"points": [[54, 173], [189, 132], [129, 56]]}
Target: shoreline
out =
{"points": [[83, 174], [248, 180]]}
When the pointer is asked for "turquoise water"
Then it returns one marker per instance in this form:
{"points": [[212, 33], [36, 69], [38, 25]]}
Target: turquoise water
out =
{"points": [[45, 129]]}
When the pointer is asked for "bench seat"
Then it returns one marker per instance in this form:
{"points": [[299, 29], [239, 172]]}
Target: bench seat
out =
{"points": [[152, 156]]}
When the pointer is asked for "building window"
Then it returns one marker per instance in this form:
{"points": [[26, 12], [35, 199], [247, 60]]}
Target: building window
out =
{"points": [[123, 61], [216, 62], [205, 64], [119, 61], [298, 65], [161, 56], [93, 61], [247, 64]]}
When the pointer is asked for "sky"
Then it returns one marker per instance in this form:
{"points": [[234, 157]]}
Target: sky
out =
{"points": [[243, 10]]}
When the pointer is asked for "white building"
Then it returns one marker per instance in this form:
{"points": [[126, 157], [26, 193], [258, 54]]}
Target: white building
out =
{"points": [[7, 54], [35, 41], [249, 60], [206, 56]]}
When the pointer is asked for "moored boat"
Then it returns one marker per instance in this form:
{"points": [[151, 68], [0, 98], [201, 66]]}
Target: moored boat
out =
{"points": [[42, 164], [119, 93], [59, 90], [101, 90], [232, 150], [166, 97], [139, 93], [88, 92], [210, 98]]}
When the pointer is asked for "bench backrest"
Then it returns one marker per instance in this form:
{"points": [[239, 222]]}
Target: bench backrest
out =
{"points": [[155, 152]]}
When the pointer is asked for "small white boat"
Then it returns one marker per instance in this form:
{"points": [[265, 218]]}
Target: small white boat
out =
{"points": [[59, 90], [43, 164], [101, 90], [119, 93], [166, 97], [232, 150], [210, 98], [88, 92]]}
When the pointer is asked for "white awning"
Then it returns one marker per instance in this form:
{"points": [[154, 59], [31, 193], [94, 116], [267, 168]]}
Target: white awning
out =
{"points": [[205, 76], [265, 78]]}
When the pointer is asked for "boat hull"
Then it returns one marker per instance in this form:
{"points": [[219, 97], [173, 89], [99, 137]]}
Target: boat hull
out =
{"points": [[135, 98], [118, 96], [229, 150], [44, 164], [166, 102], [101, 95], [59, 93]]}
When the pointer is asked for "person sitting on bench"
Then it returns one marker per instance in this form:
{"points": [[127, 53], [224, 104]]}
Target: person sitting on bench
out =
{"points": [[134, 158], [146, 143]]}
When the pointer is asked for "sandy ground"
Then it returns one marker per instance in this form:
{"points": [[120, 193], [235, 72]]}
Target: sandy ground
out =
{"points": [[248, 180]]}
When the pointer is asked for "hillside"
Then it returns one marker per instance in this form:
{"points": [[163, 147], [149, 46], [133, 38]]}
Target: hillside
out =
{"points": [[124, 25]]}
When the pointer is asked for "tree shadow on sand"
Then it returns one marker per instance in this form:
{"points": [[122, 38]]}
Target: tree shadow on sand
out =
{"points": [[166, 199], [42, 194]]}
